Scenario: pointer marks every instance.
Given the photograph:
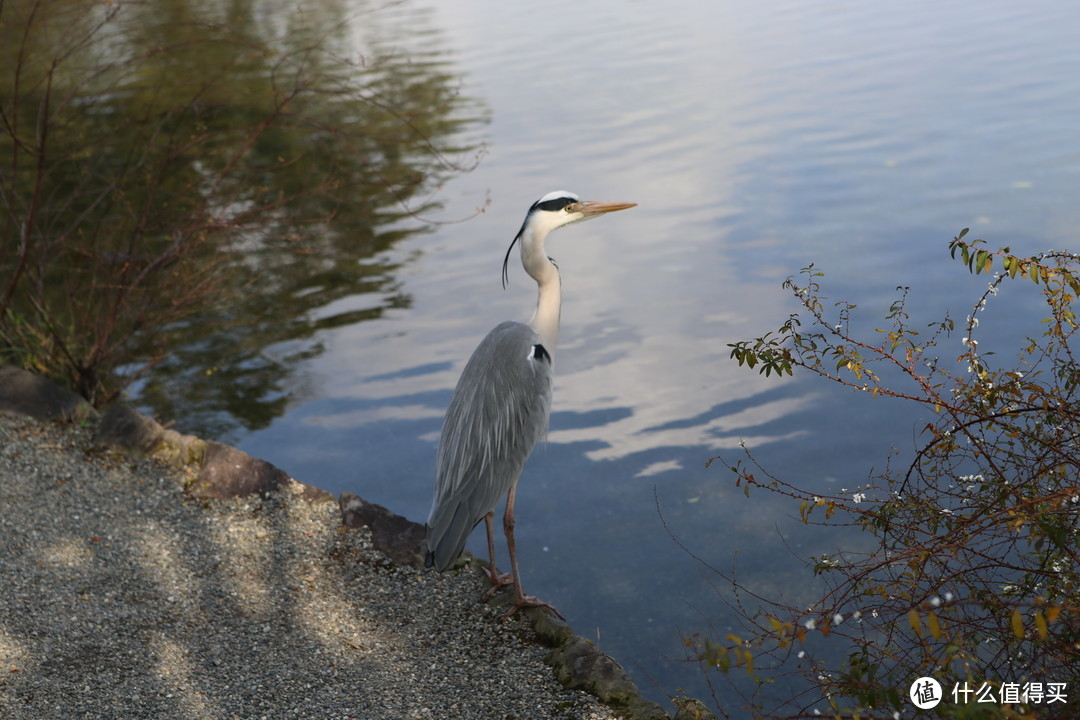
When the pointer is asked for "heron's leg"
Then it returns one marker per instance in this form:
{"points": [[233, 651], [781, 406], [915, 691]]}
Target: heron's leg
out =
{"points": [[520, 598], [497, 579]]}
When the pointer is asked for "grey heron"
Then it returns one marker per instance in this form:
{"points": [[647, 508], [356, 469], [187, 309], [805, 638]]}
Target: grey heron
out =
{"points": [[501, 404]]}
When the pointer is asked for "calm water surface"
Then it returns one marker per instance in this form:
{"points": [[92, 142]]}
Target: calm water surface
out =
{"points": [[756, 138]]}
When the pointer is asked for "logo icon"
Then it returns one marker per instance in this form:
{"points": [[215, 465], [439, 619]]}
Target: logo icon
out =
{"points": [[925, 693]]}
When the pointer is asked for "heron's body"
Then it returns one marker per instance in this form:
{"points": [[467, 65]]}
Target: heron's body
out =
{"points": [[502, 402], [497, 414]]}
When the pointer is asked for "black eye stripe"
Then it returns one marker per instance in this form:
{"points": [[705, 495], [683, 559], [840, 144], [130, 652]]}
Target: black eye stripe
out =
{"points": [[556, 204]]}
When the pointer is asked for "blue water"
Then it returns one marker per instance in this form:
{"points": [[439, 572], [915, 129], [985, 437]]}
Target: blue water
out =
{"points": [[757, 138]]}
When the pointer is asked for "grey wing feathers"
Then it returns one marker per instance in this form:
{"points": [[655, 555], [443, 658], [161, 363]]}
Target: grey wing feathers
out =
{"points": [[499, 411]]}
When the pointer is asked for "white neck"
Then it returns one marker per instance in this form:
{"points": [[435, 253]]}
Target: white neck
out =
{"points": [[545, 320]]}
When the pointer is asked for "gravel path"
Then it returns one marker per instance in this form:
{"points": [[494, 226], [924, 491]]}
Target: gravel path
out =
{"points": [[121, 597]]}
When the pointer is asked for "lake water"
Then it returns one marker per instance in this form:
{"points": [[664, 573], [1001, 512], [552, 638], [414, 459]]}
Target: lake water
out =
{"points": [[756, 138]]}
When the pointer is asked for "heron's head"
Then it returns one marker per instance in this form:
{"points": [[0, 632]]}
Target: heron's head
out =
{"points": [[554, 210]]}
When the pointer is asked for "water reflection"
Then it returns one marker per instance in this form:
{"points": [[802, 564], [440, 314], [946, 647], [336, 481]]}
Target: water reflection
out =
{"points": [[259, 159], [382, 126]]}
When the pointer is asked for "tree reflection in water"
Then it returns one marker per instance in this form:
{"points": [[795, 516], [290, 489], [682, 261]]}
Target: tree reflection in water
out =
{"points": [[188, 183]]}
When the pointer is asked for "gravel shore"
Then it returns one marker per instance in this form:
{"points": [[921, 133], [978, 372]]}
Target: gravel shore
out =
{"points": [[123, 597]]}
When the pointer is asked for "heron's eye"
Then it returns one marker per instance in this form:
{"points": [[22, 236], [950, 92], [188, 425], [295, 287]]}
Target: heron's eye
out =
{"points": [[572, 207]]}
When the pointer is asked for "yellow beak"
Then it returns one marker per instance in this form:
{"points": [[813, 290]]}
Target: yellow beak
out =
{"points": [[591, 208]]}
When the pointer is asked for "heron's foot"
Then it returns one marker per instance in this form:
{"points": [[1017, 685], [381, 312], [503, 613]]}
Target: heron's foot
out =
{"points": [[498, 581], [521, 601]]}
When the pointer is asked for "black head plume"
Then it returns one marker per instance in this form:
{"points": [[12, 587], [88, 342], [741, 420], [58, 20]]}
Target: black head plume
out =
{"points": [[551, 202]]}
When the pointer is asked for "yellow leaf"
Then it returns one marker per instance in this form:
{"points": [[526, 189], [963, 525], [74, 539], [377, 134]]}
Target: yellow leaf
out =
{"points": [[1017, 623], [1040, 625], [913, 620], [1052, 613], [934, 625]]}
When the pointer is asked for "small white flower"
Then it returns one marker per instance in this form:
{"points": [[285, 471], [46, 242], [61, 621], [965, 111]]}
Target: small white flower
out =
{"points": [[837, 619], [810, 624], [948, 597], [858, 497]]}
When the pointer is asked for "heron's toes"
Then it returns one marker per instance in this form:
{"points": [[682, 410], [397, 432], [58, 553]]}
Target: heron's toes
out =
{"points": [[498, 581]]}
